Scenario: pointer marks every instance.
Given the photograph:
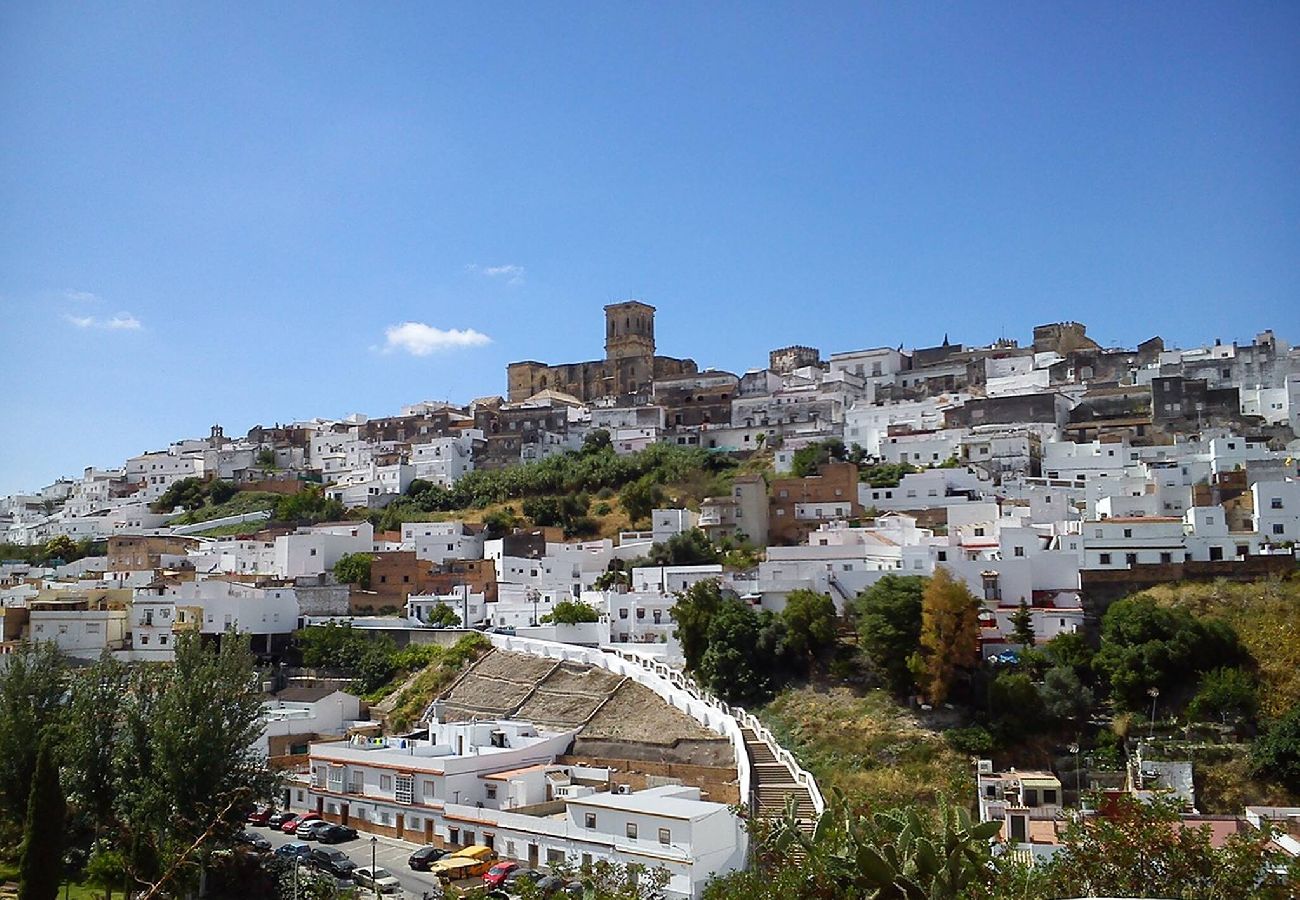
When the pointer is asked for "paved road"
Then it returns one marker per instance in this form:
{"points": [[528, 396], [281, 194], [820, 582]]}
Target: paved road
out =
{"points": [[390, 854]]}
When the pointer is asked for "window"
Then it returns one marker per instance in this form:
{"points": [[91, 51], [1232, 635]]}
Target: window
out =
{"points": [[631, 830], [1275, 503], [1131, 559], [622, 613], [1166, 557], [979, 531], [405, 791], [1104, 559], [1018, 551], [1279, 528], [665, 836], [590, 820], [385, 782], [554, 857], [491, 791], [1049, 796]]}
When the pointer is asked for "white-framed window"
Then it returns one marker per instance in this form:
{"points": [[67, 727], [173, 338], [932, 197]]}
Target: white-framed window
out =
{"points": [[385, 782], [405, 789], [631, 830]]}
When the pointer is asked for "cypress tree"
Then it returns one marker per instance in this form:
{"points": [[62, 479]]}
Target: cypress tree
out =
{"points": [[42, 849]]}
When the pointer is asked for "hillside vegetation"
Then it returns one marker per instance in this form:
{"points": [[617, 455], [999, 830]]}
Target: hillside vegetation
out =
{"points": [[1266, 617], [869, 747]]}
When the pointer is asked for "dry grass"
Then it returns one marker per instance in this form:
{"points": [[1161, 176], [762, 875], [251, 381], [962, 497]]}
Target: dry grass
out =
{"points": [[868, 746], [1266, 615]]}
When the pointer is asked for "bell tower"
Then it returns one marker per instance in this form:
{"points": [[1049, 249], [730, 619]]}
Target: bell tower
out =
{"points": [[629, 330]]}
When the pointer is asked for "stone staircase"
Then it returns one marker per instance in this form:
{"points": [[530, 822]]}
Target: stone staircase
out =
{"points": [[774, 783]]}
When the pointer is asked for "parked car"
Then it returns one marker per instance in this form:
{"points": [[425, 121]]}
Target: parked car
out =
{"points": [[276, 820], [336, 834], [293, 850], [515, 881], [377, 879], [425, 857], [468, 862], [332, 861], [311, 829], [253, 839], [494, 876], [260, 815], [550, 886], [291, 827]]}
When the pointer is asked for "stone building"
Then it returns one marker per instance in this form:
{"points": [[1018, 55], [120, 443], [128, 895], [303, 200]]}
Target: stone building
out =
{"points": [[787, 359], [630, 365]]}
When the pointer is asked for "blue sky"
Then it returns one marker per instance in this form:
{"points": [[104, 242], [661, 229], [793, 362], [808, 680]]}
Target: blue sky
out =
{"points": [[215, 212]]}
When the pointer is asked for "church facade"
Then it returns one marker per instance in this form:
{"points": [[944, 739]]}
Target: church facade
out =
{"points": [[630, 365]]}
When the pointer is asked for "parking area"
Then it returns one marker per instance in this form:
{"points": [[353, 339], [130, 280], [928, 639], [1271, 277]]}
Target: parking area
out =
{"points": [[389, 854]]}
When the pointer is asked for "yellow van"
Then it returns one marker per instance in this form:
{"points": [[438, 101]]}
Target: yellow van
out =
{"points": [[467, 862]]}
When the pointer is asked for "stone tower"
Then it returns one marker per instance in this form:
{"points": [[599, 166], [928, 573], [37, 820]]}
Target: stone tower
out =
{"points": [[629, 331]]}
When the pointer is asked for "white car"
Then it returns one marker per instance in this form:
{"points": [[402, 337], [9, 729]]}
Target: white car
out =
{"points": [[378, 878]]}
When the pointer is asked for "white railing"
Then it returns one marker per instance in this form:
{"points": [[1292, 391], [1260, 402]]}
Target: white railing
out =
{"points": [[675, 689], [683, 682]]}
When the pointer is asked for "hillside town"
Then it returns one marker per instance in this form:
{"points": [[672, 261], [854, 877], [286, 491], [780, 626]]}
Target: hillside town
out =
{"points": [[1051, 479]]}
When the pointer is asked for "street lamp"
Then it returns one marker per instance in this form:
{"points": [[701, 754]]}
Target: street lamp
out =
{"points": [[1078, 779], [374, 881], [1153, 693]]}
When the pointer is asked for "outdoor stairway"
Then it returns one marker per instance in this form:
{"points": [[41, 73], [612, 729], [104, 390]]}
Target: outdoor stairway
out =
{"points": [[774, 783]]}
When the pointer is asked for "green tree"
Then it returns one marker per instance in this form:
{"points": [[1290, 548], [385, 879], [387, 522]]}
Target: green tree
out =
{"points": [[694, 608], [597, 441], [201, 745], [60, 547], [1022, 625], [1145, 645], [105, 869], [266, 457], [732, 665], [690, 548], [354, 568], [443, 616], [571, 612], [1276, 753], [308, 506], [41, 854], [32, 685], [949, 632], [95, 709], [889, 623], [1072, 650], [640, 498], [811, 624], [221, 492], [1225, 694], [1064, 697], [1015, 704], [1140, 849]]}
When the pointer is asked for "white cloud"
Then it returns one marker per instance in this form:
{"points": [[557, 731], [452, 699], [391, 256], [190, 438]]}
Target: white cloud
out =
{"points": [[512, 273], [80, 296], [419, 339], [123, 321]]}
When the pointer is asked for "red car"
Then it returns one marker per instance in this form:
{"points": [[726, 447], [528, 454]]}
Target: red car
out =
{"points": [[291, 827], [494, 876], [261, 815]]}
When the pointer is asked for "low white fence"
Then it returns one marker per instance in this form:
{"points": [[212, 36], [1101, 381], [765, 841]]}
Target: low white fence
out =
{"points": [[684, 683], [710, 713], [680, 692], [259, 516]]}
